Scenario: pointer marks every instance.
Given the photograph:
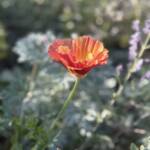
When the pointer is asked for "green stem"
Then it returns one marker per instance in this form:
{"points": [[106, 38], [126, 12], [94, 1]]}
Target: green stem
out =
{"points": [[50, 135], [65, 105]]}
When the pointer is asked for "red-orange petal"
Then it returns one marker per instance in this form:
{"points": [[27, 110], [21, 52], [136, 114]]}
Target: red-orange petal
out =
{"points": [[79, 55]]}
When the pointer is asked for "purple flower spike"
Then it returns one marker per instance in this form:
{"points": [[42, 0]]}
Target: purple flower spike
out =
{"points": [[136, 25], [147, 60], [132, 52], [145, 79], [134, 40], [146, 75], [146, 28]]}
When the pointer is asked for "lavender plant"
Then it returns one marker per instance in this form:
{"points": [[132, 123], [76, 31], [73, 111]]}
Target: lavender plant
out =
{"points": [[136, 51]]}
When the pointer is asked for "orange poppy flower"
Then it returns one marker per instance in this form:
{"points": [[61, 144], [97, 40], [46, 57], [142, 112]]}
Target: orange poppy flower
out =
{"points": [[79, 55]]}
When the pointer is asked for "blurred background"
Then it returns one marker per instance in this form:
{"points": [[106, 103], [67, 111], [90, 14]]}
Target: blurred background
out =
{"points": [[105, 19], [33, 86]]}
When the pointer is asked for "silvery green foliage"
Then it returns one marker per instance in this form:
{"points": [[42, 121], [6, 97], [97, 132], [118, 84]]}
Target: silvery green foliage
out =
{"points": [[39, 94], [146, 144], [33, 47], [14, 88], [47, 91], [43, 93], [133, 147]]}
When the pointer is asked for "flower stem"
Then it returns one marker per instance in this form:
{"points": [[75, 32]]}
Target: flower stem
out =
{"points": [[65, 105]]}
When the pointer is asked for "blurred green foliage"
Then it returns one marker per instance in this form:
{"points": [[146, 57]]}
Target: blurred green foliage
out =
{"points": [[3, 43], [33, 91], [102, 18], [31, 96]]}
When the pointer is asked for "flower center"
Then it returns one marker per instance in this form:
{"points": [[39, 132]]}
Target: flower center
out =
{"points": [[63, 49], [89, 56]]}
